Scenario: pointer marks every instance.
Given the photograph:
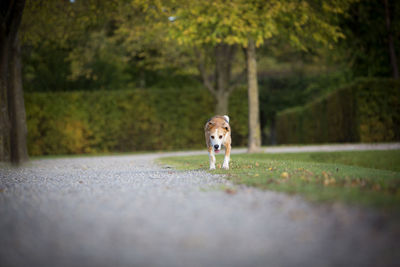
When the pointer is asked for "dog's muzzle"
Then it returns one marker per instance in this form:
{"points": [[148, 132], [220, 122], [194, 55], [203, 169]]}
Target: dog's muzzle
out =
{"points": [[216, 148]]}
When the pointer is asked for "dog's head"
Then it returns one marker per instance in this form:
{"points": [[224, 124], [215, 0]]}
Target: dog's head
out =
{"points": [[218, 131]]}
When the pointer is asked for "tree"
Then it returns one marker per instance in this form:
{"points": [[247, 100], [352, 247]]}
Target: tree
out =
{"points": [[372, 29], [249, 24], [215, 64], [392, 50], [60, 37], [141, 32], [151, 26], [203, 26], [12, 119], [41, 16], [126, 47], [254, 114]]}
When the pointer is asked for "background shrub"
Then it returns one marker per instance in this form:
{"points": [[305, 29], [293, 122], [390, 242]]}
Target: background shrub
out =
{"points": [[367, 110], [125, 120]]}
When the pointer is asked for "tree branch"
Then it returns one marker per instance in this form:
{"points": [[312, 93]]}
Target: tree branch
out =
{"points": [[203, 72]]}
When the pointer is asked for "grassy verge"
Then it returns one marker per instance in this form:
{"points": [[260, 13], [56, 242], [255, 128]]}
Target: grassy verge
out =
{"points": [[369, 178]]}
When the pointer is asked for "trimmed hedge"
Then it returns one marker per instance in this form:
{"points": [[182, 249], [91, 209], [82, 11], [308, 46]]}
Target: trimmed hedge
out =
{"points": [[367, 110], [119, 121]]}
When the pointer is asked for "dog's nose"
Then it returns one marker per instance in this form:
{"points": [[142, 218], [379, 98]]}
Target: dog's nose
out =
{"points": [[216, 146]]}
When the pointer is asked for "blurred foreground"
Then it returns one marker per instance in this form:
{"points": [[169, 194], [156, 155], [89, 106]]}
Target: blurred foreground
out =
{"points": [[127, 211]]}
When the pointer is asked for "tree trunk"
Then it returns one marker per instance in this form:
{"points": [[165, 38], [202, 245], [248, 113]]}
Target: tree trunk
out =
{"points": [[392, 51], [273, 131], [12, 116], [223, 69], [4, 122], [219, 83], [222, 101], [16, 107], [254, 143]]}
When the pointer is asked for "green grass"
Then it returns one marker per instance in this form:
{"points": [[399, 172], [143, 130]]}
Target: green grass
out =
{"points": [[368, 178]]}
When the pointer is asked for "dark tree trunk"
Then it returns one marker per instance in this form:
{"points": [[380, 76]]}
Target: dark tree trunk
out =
{"points": [[4, 122], [223, 69], [16, 107], [273, 131], [392, 51], [12, 118], [220, 84], [222, 102], [254, 143]]}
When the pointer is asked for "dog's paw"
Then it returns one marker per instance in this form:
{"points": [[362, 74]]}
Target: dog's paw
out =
{"points": [[225, 166], [212, 167]]}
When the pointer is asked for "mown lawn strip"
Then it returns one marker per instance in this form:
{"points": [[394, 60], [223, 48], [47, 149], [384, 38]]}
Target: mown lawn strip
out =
{"points": [[318, 176]]}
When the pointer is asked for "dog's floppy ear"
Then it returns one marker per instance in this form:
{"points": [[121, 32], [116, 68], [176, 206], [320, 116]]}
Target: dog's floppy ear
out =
{"points": [[210, 124], [225, 127]]}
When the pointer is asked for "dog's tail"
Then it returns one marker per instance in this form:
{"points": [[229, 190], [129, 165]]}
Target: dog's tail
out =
{"points": [[226, 118]]}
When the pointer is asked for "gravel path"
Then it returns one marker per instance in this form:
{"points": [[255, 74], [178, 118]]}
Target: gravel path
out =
{"points": [[128, 211]]}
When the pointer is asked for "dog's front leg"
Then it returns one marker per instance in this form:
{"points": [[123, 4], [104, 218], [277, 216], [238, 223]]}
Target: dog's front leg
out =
{"points": [[212, 158], [227, 157]]}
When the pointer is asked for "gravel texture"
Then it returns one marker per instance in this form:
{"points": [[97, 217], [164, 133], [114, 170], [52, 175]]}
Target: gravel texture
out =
{"points": [[129, 211]]}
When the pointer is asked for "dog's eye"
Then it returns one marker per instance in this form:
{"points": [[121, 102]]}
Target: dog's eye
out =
{"points": [[220, 137], [212, 136]]}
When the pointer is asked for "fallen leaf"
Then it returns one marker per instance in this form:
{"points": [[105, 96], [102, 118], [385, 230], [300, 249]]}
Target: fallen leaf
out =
{"points": [[230, 191], [303, 178], [257, 164], [329, 181], [284, 175]]}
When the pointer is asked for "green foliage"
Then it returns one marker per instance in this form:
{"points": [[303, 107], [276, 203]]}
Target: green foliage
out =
{"points": [[63, 22], [378, 110], [366, 111], [122, 120], [101, 62], [58, 40], [235, 22], [278, 93], [99, 45], [45, 68], [366, 45]]}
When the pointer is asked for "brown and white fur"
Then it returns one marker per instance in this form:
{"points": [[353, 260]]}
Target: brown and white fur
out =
{"points": [[218, 134]]}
